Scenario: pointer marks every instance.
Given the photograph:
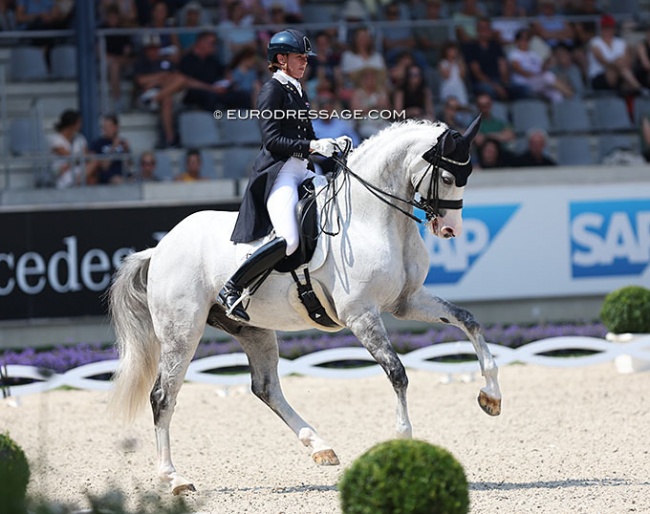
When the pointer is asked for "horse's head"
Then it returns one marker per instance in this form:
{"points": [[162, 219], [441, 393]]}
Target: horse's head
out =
{"points": [[442, 188]]}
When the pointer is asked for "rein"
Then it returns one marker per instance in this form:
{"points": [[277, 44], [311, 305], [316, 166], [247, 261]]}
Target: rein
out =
{"points": [[430, 205]]}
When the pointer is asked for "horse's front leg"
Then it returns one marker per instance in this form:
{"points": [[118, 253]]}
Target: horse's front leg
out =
{"points": [[423, 306], [370, 330]]}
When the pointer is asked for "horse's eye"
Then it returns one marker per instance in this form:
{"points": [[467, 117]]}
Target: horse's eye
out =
{"points": [[448, 180]]}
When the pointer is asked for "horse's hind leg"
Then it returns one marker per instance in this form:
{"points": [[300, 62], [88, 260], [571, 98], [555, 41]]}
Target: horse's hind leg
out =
{"points": [[423, 306], [370, 331], [261, 347], [176, 355]]}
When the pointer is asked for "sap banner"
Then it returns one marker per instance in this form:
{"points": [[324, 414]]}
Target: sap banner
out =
{"points": [[544, 242]]}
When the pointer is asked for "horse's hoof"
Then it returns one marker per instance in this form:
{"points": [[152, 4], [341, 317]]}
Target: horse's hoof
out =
{"points": [[491, 406], [183, 488], [326, 458]]}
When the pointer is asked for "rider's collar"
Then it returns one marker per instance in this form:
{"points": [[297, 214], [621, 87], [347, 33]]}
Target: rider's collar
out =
{"points": [[283, 78]]}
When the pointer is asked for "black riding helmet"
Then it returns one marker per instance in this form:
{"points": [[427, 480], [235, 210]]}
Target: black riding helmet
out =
{"points": [[289, 41]]}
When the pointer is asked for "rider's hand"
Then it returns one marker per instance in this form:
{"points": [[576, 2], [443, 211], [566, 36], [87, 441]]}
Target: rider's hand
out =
{"points": [[325, 147], [343, 142]]}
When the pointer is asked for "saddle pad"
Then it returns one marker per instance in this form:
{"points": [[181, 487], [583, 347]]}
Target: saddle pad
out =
{"points": [[244, 250]]}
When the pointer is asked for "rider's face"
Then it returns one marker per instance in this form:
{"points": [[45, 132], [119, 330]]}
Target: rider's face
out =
{"points": [[295, 64]]}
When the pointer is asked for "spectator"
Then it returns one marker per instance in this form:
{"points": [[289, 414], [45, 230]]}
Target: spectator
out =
{"points": [[148, 167], [414, 96], [487, 63], [290, 8], [610, 66], [453, 73], [119, 54], [151, 72], [585, 30], [398, 73], [127, 12], [243, 72], [362, 54], [430, 39], [193, 164], [192, 14], [491, 154], [110, 171], [71, 146], [324, 72], [552, 27], [642, 64], [645, 138], [7, 15], [39, 15], [491, 126], [209, 89], [160, 19], [398, 39], [453, 114], [566, 70], [236, 31], [535, 155], [528, 72], [509, 22], [370, 94], [466, 20]]}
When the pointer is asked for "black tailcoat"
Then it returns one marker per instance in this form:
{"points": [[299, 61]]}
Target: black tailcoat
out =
{"points": [[283, 137]]}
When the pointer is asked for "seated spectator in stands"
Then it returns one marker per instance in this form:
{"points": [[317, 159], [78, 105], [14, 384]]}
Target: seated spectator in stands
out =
{"points": [[453, 73], [119, 54], [192, 14], [454, 115], [491, 126], [487, 63], [148, 167], [7, 15], [466, 19], [398, 72], [193, 163], [509, 22], [535, 155], [585, 30], [210, 89], [110, 171], [324, 72], [71, 146], [236, 31], [290, 8], [430, 39], [398, 39], [160, 19], [152, 71], [566, 70], [642, 63], [126, 9], [414, 96], [529, 73], [362, 54], [244, 73], [370, 94], [551, 26], [40, 15], [491, 154], [610, 65]]}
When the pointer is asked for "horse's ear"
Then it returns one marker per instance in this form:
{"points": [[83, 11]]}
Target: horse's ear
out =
{"points": [[448, 143], [472, 130]]}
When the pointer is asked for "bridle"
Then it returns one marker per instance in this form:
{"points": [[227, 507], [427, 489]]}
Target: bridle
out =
{"points": [[431, 204]]}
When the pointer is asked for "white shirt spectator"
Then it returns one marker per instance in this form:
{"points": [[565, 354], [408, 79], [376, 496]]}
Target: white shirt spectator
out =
{"points": [[609, 53], [68, 173]]}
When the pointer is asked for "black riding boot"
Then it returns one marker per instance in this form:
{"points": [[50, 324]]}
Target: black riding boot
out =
{"points": [[263, 259]]}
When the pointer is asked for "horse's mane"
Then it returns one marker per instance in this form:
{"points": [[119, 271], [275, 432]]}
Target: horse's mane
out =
{"points": [[404, 134]]}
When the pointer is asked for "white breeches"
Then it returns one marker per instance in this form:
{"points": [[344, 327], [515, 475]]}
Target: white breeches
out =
{"points": [[283, 199]]}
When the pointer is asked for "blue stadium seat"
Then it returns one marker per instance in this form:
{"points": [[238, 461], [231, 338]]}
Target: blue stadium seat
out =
{"points": [[610, 114], [571, 116], [528, 114], [574, 150], [198, 129], [27, 63]]}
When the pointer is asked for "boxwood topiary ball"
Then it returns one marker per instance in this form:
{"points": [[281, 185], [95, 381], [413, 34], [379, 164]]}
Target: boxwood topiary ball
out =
{"points": [[404, 477], [627, 310], [14, 474]]}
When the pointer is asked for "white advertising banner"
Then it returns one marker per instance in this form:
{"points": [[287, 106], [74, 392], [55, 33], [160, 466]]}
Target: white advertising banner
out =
{"points": [[544, 241]]}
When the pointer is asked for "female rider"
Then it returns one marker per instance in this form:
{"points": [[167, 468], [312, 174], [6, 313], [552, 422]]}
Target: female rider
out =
{"points": [[271, 196]]}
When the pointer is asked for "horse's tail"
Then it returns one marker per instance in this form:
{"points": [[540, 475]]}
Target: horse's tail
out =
{"points": [[137, 343]]}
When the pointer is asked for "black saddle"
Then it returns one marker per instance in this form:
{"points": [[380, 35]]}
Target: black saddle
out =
{"points": [[307, 216]]}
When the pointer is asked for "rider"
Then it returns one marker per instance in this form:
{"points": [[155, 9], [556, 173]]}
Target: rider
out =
{"points": [[271, 196]]}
